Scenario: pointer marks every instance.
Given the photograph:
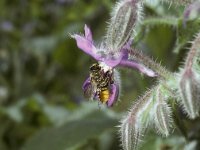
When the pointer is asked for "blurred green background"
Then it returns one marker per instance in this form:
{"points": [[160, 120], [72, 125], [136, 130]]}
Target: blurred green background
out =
{"points": [[42, 106]]}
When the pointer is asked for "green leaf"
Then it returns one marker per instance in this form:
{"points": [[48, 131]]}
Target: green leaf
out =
{"points": [[166, 21], [72, 134], [186, 33]]}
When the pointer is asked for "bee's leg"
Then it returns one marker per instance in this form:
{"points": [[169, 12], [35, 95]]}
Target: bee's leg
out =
{"points": [[95, 95], [99, 104]]}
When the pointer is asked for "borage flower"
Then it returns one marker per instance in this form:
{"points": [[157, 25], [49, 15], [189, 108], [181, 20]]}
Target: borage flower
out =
{"points": [[103, 83]]}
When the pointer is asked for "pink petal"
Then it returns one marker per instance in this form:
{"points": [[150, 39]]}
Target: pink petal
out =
{"points": [[114, 62], [88, 33], [86, 83], [86, 46], [114, 95], [140, 67], [87, 88]]}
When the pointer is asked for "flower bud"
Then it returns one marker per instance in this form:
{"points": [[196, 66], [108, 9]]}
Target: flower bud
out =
{"points": [[137, 121], [162, 116], [189, 88], [163, 119], [192, 11], [189, 83], [122, 24]]}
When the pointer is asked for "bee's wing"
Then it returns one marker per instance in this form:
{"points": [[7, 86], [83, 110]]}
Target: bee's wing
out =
{"points": [[88, 92]]}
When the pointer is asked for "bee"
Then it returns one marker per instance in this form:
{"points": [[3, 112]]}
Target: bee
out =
{"points": [[100, 82]]}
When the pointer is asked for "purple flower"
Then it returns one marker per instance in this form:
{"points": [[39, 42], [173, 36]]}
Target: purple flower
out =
{"points": [[103, 83]]}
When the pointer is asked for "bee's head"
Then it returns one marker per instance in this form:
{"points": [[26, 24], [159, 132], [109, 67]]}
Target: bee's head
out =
{"points": [[95, 67]]}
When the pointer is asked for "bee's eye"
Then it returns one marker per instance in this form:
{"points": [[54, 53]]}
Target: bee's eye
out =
{"points": [[95, 67], [108, 74]]}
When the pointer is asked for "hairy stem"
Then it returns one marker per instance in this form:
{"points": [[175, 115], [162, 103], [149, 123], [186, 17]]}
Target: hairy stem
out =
{"points": [[180, 2], [192, 53]]}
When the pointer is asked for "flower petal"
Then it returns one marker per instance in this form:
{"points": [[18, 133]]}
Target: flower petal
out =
{"points": [[140, 67], [124, 52], [112, 62], [114, 95], [87, 88], [86, 44], [128, 44], [88, 33], [86, 83]]}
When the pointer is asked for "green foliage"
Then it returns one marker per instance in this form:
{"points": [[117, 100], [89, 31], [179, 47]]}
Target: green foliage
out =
{"points": [[42, 71], [72, 134], [186, 33]]}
